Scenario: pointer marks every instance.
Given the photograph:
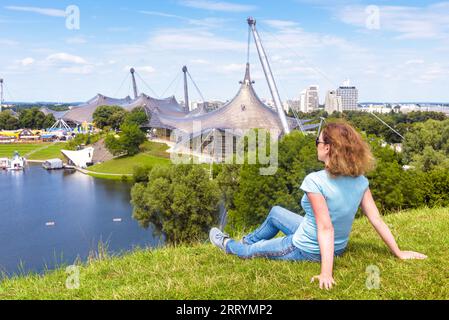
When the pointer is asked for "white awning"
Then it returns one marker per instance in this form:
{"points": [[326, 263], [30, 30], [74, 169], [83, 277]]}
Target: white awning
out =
{"points": [[80, 158]]}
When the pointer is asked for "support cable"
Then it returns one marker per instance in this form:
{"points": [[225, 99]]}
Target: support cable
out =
{"points": [[146, 84], [171, 84], [121, 85], [196, 87]]}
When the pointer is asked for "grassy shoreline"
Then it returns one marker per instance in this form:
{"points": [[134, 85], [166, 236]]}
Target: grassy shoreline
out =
{"points": [[201, 271], [116, 169]]}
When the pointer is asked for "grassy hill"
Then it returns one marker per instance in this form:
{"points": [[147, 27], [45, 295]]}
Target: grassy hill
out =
{"points": [[203, 272]]}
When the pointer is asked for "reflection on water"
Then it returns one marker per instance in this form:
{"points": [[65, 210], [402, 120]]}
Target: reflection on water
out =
{"points": [[82, 208]]}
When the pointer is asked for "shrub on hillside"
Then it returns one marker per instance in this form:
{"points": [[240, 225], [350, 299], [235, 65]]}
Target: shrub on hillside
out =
{"points": [[109, 116], [128, 142], [180, 201]]}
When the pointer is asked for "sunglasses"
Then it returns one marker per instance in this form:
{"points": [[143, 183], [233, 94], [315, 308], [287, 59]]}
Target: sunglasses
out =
{"points": [[317, 141]]}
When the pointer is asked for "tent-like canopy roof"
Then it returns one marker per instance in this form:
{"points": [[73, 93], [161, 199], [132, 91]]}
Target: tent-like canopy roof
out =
{"points": [[168, 106], [57, 114], [243, 112], [84, 112]]}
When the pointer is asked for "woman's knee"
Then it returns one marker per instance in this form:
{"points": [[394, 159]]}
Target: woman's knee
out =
{"points": [[275, 211]]}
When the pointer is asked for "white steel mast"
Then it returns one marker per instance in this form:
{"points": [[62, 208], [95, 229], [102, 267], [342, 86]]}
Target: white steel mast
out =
{"points": [[269, 75]]}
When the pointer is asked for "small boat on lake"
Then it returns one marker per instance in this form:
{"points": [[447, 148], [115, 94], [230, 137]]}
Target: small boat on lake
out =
{"points": [[17, 163], [53, 164]]}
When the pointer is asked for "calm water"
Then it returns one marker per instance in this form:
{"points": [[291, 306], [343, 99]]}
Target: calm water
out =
{"points": [[82, 208]]}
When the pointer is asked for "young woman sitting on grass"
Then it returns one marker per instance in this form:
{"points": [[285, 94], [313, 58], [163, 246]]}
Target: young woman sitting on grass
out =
{"points": [[331, 200]]}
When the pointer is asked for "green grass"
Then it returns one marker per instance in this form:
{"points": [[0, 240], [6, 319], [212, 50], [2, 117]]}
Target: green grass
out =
{"points": [[125, 165], [155, 149], [152, 154], [39, 151], [203, 272], [51, 152], [7, 150]]}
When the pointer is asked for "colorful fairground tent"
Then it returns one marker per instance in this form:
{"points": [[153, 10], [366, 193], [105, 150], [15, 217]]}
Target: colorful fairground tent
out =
{"points": [[22, 135]]}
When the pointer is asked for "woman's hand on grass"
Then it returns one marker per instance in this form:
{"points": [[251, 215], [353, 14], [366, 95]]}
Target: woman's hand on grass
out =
{"points": [[326, 281], [408, 255]]}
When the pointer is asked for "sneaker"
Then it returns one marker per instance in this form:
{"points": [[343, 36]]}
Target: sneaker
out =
{"points": [[217, 237]]}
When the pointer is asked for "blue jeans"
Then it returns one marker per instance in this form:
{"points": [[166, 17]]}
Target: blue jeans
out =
{"points": [[260, 243]]}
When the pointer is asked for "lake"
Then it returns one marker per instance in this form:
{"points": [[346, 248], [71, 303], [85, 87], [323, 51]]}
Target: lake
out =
{"points": [[49, 218]]}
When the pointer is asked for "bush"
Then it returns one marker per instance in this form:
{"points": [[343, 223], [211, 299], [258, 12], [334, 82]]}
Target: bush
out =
{"points": [[140, 174], [137, 116], [181, 201], [436, 188], [131, 137], [109, 116], [82, 139], [8, 121]]}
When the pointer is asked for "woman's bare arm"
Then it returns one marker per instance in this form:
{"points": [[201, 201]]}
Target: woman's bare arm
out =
{"points": [[325, 239], [369, 208]]}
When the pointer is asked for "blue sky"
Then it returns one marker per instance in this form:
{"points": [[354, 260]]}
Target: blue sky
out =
{"points": [[391, 50]]}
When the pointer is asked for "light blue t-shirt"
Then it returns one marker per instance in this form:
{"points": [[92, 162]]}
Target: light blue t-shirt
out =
{"points": [[343, 195]]}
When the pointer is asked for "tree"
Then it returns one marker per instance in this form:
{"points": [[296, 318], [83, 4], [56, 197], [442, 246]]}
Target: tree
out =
{"points": [[48, 121], [180, 201], [31, 118], [128, 142], [8, 121], [427, 144], [111, 116], [137, 116]]}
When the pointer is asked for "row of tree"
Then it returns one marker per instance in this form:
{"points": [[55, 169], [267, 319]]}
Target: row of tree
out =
{"points": [[28, 118]]}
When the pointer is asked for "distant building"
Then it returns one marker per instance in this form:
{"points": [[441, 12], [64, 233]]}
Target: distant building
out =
{"points": [[309, 100], [349, 96], [333, 102], [292, 105]]}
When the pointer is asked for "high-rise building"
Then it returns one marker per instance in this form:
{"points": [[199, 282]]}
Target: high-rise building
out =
{"points": [[349, 96], [333, 102], [309, 99], [293, 105]]}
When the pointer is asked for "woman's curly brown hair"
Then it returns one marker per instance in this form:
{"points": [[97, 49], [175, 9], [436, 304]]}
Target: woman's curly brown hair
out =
{"points": [[349, 154]]}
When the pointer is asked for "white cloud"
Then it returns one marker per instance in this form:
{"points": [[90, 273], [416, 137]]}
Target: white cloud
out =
{"points": [[434, 71], [65, 58], [430, 22], [281, 24], [27, 62], [205, 22], [414, 61], [218, 5], [231, 68], [44, 11], [8, 42], [87, 69]]}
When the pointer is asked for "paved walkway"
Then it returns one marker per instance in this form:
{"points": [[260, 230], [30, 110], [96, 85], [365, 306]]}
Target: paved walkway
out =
{"points": [[103, 173]]}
